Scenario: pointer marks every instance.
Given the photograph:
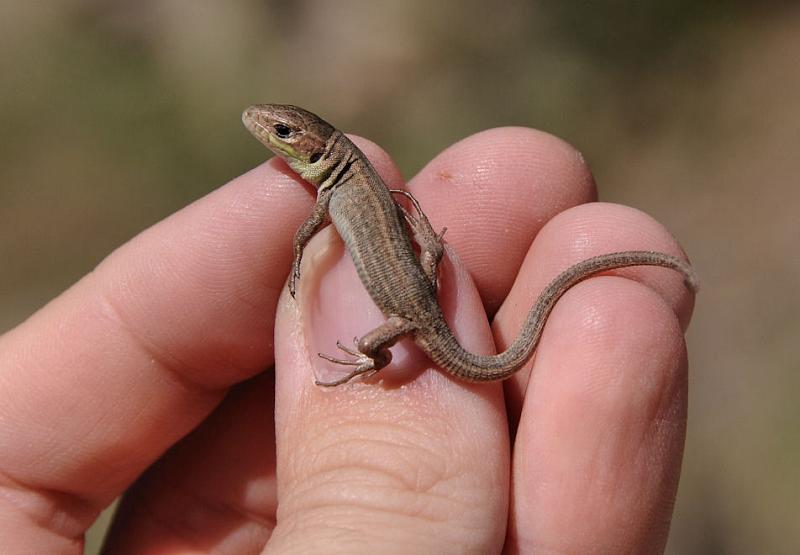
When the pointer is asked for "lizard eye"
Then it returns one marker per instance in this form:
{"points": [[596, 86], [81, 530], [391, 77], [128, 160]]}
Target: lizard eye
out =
{"points": [[315, 157], [282, 131]]}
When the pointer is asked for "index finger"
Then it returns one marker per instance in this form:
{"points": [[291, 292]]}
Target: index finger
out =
{"points": [[106, 377]]}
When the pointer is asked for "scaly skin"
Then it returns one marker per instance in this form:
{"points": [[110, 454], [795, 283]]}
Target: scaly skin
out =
{"points": [[351, 193]]}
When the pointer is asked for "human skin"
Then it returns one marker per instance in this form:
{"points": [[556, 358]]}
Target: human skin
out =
{"points": [[153, 375]]}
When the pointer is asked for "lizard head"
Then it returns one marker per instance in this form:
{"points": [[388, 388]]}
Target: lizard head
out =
{"points": [[296, 135]]}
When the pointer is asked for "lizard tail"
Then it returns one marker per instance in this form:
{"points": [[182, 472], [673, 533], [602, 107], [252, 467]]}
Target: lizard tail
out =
{"points": [[450, 355]]}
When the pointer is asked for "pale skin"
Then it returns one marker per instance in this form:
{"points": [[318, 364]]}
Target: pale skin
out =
{"points": [[106, 378]]}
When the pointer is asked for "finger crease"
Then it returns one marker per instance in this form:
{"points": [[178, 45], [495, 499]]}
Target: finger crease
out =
{"points": [[170, 364], [62, 513]]}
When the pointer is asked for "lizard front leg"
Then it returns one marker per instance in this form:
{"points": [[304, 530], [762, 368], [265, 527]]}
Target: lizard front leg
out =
{"points": [[318, 217], [371, 352]]}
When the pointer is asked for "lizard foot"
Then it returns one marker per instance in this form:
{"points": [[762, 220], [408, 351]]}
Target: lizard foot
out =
{"points": [[365, 365]]}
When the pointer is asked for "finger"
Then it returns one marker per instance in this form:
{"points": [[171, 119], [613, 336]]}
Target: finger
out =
{"points": [[494, 191], [410, 458], [577, 234], [107, 376], [598, 448]]}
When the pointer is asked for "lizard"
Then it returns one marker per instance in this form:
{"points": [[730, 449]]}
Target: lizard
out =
{"points": [[353, 197]]}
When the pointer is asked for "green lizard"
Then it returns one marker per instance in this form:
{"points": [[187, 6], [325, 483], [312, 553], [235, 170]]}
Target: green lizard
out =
{"points": [[351, 194]]}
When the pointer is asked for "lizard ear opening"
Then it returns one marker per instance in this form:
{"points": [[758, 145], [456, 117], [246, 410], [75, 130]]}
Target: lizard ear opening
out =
{"points": [[315, 157]]}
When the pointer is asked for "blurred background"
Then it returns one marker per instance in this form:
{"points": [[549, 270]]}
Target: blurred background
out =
{"points": [[116, 113]]}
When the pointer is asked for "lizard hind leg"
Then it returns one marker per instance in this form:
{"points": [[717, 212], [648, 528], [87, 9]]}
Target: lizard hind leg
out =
{"points": [[430, 243], [371, 352]]}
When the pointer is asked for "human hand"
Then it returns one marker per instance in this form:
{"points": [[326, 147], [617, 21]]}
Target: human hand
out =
{"points": [[169, 337]]}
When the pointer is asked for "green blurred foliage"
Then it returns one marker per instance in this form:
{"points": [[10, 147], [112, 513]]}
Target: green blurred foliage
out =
{"points": [[116, 113]]}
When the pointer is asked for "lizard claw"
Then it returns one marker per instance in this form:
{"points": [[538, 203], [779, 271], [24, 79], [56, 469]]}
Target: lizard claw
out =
{"points": [[365, 365], [295, 275], [355, 373], [360, 359]]}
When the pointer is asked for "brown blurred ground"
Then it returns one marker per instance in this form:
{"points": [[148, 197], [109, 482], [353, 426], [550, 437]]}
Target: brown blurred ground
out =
{"points": [[115, 114]]}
